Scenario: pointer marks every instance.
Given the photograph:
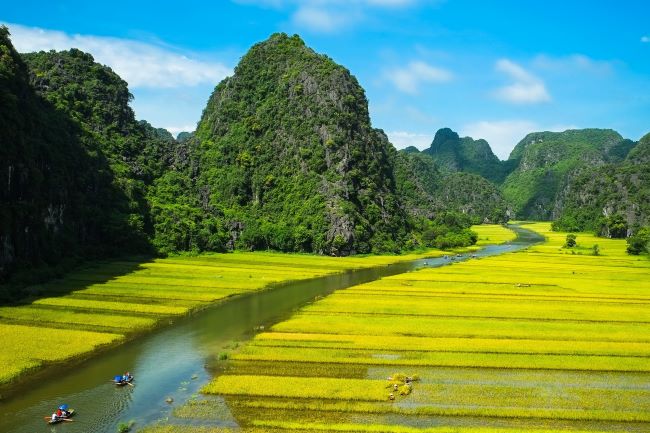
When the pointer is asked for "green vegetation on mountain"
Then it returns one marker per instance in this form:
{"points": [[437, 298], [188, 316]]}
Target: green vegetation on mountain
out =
{"points": [[605, 197], [184, 136], [465, 154], [427, 191], [289, 160], [60, 197], [283, 158], [545, 160]]}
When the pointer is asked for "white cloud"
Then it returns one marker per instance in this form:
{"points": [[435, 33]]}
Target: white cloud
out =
{"points": [[326, 3], [645, 39], [321, 19], [391, 3], [328, 15], [526, 87], [573, 63], [402, 139], [409, 78], [176, 129], [140, 64], [503, 135]]}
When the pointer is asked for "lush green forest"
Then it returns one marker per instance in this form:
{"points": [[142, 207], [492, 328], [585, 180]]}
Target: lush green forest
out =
{"points": [[545, 160], [427, 190], [289, 160], [595, 198], [586, 179], [60, 195], [284, 157]]}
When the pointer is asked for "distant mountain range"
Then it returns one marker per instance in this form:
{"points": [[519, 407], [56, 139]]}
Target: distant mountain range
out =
{"points": [[284, 157], [576, 177]]}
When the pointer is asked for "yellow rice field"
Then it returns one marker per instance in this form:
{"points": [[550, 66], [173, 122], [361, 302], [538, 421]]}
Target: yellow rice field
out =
{"points": [[107, 302], [296, 427], [545, 340]]}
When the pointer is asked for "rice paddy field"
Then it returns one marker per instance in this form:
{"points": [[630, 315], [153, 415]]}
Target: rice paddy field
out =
{"points": [[548, 339], [107, 303]]}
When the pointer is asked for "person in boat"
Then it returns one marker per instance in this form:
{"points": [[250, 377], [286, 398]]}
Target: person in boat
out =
{"points": [[62, 411], [126, 377], [54, 417]]}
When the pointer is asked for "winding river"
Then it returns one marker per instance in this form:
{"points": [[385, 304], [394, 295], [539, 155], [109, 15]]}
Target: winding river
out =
{"points": [[173, 361]]}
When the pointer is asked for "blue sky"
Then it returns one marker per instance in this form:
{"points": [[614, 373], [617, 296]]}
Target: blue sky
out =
{"points": [[488, 69]]}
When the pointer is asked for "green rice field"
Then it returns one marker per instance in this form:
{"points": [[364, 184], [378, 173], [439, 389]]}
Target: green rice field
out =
{"points": [[548, 339], [106, 303]]}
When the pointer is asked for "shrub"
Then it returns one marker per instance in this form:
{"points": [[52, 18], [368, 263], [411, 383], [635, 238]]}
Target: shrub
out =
{"points": [[639, 242], [125, 427], [570, 241]]}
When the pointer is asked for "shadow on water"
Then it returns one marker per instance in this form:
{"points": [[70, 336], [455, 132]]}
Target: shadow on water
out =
{"points": [[174, 361]]}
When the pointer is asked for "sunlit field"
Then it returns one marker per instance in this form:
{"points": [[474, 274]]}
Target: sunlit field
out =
{"points": [[543, 340], [106, 303], [493, 234]]}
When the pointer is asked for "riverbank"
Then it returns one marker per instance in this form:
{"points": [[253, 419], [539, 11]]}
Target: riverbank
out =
{"points": [[101, 306]]}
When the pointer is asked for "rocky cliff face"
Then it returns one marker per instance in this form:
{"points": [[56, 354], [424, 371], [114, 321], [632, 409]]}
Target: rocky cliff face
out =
{"points": [[289, 158]]}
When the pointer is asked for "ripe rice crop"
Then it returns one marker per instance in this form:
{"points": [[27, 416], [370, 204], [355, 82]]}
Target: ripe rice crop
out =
{"points": [[378, 428], [122, 297], [541, 334], [299, 387], [47, 317], [31, 346], [88, 304], [430, 344], [493, 234]]}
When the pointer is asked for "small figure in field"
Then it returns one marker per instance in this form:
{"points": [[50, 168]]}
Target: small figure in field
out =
{"points": [[391, 396]]}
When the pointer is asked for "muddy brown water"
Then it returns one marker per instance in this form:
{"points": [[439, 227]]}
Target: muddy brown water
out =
{"points": [[172, 362]]}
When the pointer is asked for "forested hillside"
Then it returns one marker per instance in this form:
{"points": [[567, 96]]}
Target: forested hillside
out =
{"points": [[593, 196], [586, 179], [544, 162], [59, 196], [289, 160], [284, 157], [427, 191]]}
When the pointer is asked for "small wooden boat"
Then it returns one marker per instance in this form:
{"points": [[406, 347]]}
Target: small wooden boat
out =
{"points": [[119, 380], [61, 418]]}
